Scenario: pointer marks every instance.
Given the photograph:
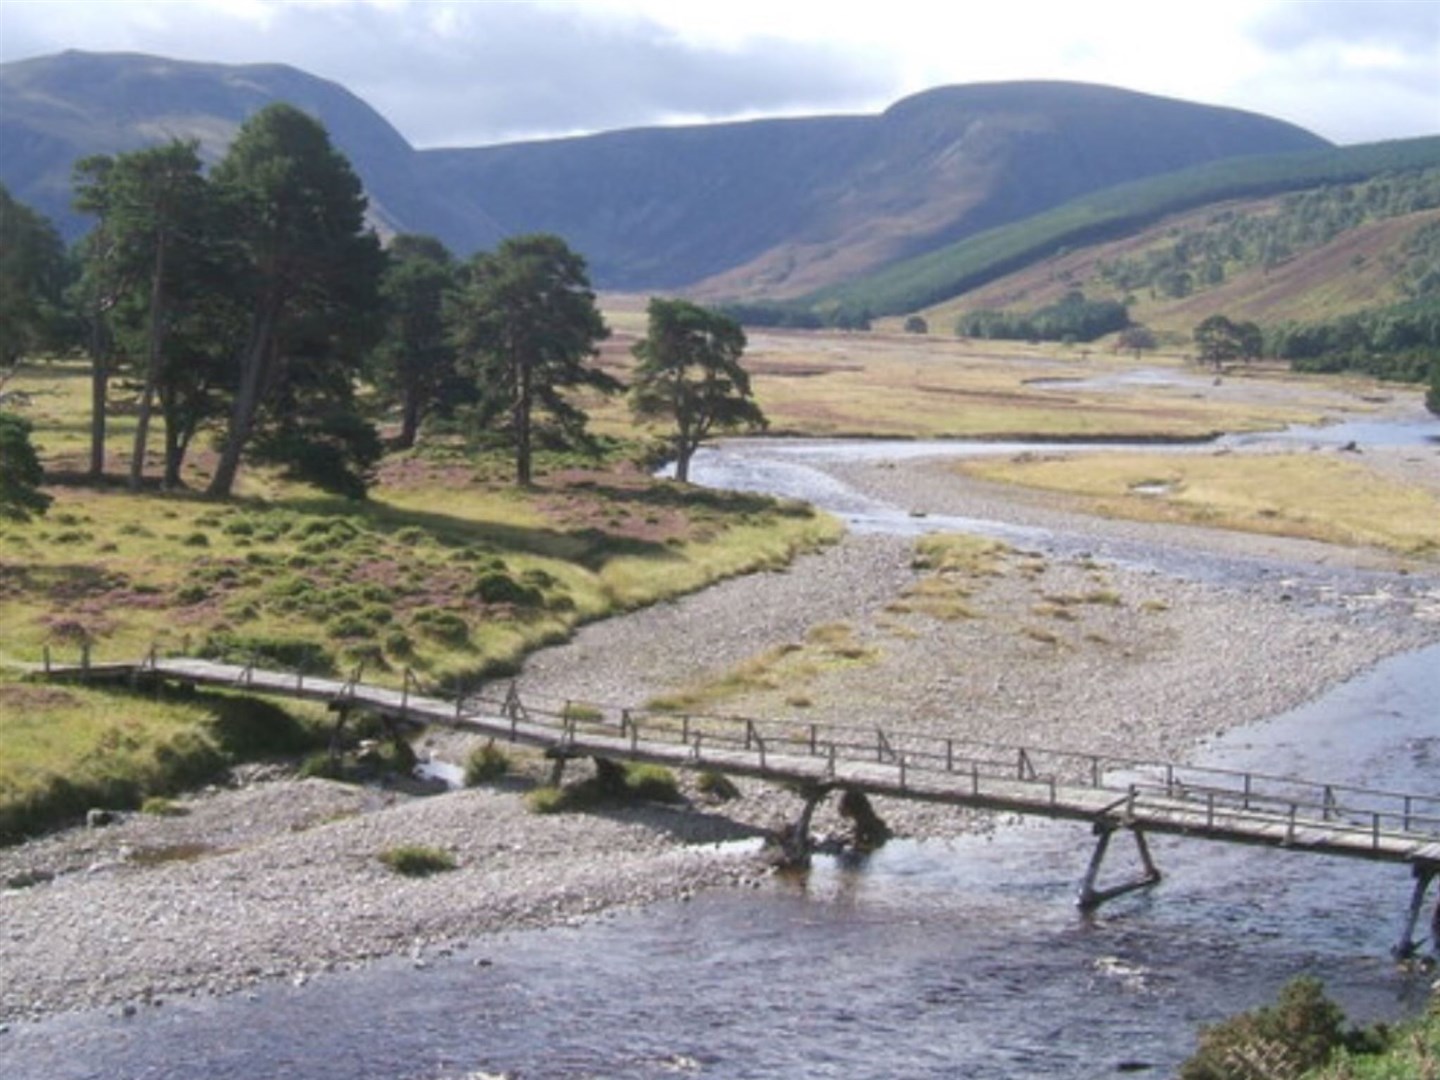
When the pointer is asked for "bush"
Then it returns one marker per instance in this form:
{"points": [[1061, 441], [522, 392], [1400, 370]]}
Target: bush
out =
{"points": [[652, 783], [1299, 1033], [547, 800], [413, 860], [485, 764], [500, 588], [444, 626], [717, 785], [295, 653]]}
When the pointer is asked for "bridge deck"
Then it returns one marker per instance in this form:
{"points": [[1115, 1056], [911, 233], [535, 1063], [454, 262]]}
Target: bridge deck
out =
{"points": [[1216, 804]]}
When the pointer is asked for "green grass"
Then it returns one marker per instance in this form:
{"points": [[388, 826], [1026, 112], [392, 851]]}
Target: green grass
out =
{"points": [[414, 860], [68, 749], [1305, 495], [486, 764], [448, 571]]}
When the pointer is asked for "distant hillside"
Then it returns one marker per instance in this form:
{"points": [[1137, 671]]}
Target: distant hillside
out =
{"points": [[956, 272], [779, 207], [1172, 284], [767, 208], [61, 108]]}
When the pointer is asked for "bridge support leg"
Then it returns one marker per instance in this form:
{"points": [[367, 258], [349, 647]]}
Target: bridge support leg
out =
{"points": [[558, 758], [794, 846], [1090, 897], [342, 714], [1405, 948], [871, 832]]}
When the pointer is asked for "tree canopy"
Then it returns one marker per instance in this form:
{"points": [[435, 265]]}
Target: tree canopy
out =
{"points": [[1219, 340], [32, 279], [413, 363], [155, 235], [525, 325], [309, 285], [20, 471], [689, 372]]}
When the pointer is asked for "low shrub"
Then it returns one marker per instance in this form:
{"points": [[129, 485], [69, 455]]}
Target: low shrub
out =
{"points": [[1298, 1033], [501, 588], [547, 800], [414, 860], [717, 785], [485, 764], [444, 626], [652, 783], [296, 653]]}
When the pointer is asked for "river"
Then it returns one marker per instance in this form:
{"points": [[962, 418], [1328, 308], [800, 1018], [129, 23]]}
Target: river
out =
{"points": [[936, 959]]}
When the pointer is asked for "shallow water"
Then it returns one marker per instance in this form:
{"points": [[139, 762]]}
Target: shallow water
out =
{"points": [[931, 959], [798, 469]]}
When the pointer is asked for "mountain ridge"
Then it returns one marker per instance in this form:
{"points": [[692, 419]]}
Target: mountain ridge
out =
{"points": [[760, 207]]}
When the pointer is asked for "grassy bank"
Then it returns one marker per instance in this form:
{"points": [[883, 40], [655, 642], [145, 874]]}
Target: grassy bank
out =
{"points": [[448, 570], [1320, 497], [70, 749]]}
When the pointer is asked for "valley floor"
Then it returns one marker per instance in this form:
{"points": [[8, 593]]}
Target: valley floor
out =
{"points": [[276, 878]]}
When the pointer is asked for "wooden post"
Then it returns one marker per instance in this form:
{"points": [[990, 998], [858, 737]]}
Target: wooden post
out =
{"points": [[47, 659], [1026, 768], [1405, 948]]}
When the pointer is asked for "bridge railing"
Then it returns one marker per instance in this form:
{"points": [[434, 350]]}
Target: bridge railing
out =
{"points": [[1212, 791]]}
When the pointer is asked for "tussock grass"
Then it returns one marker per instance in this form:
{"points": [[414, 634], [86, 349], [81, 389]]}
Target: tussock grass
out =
{"points": [[957, 565], [786, 670], [416, 860], [486, 764], [614, 783], [1319, 497]]}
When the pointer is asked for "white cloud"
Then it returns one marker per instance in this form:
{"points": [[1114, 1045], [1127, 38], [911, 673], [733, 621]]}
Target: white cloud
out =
{"points": [[451, 72]]}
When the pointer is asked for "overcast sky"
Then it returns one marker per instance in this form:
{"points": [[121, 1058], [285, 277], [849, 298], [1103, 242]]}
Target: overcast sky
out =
{"points": [[453, 73]]}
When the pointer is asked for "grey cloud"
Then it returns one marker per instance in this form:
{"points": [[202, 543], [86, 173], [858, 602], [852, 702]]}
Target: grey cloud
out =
{"points": [[469, 73], [464, 74], [512, 71]]}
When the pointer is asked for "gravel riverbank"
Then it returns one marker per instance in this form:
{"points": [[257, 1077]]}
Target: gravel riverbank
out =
{"points": [[279, 878]]}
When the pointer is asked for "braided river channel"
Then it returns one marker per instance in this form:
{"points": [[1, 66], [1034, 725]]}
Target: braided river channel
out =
{"points": [[958, 958]]}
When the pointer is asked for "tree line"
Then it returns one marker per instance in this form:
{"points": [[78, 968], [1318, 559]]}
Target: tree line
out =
{"points": [[253, 303]]}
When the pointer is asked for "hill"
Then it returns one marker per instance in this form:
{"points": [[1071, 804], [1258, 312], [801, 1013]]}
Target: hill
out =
{"points": [[59, 109], [768, 207], [949, 278]]}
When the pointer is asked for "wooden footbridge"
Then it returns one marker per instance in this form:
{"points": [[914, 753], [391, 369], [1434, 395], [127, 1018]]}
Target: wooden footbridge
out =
{"points": [[1112, 794]]}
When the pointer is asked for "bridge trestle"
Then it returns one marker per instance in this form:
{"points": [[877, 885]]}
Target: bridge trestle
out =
{"points": [[1407, 946], [1090, 897]]}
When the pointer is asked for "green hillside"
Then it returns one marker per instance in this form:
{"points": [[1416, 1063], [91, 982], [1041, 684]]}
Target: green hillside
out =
{"points": [[944, 274]]}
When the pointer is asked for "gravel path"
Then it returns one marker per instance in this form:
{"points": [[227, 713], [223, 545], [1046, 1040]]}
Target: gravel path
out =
{"points": [[279, 878]]}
